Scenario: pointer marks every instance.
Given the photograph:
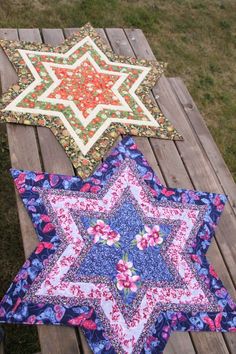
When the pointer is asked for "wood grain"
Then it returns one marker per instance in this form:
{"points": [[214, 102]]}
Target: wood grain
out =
{"points": [[1, 348], [200, 128]]}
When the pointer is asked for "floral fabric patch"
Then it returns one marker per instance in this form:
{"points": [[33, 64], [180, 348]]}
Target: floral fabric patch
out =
{"points": [[120, 255], [85, 94]]}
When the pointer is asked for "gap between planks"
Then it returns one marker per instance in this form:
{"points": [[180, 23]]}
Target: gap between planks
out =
{"points": [[205, 139]]}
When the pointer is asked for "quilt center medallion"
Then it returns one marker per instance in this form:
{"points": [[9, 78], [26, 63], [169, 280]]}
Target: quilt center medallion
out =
{"points": [[85, 88], [125, 250]]}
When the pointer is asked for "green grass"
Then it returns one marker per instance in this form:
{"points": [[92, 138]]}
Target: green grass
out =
{"points": [[196, 37]]}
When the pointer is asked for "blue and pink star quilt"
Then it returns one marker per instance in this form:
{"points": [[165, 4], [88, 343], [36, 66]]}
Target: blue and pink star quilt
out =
{"points": [[119, 255]]}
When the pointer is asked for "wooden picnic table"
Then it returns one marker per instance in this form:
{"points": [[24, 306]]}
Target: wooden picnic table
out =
{"points": [[194, 163]]}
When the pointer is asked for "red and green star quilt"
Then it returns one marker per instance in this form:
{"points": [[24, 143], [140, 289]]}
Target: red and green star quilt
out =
{"points": [[85, 94]]}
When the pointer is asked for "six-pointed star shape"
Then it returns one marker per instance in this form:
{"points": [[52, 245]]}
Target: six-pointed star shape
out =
{"points": [[45, 291], [69, 90], [66, 89]]}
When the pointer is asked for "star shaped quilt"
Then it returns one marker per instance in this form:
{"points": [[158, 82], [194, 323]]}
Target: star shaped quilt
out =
{"points": [[85, 94], [120, 255]]}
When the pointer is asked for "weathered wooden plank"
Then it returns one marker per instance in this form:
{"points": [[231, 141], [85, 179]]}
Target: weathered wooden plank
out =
{"points": [[22, 141], [25, 155], [8, 33], [179, 343], [53, 155], [230, 341], [116, 36], [139, 43], [2, 336], [7, 73], [16, 132], [1, 348], [200, 172], [29, 34], [84, 345], [206, 139], [16, 135], [119, 43], [58, 340], [102, 34], [144, 146], [69, 31], [205, 343], [168, 157], [53, 36], [177, 168]]}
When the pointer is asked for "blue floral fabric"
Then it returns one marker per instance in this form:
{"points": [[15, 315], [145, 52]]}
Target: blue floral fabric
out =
{"points": [[13, 308]]}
